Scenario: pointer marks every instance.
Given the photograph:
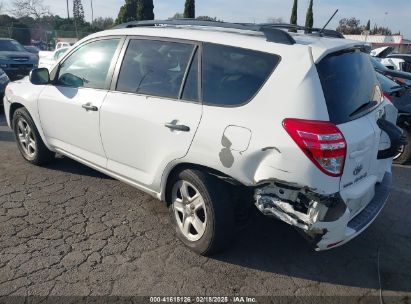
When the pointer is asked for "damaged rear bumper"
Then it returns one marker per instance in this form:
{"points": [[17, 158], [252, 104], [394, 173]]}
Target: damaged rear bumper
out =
{"points": [[326, 220]]}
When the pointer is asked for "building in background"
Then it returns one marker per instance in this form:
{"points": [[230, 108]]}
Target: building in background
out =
{"points": [[398, 42]]}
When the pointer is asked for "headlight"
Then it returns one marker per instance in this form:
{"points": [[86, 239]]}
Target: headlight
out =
{"points": [[4, 57]]}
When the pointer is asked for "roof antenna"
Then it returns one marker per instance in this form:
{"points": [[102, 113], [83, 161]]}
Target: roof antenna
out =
{"points": [[328, 22]]}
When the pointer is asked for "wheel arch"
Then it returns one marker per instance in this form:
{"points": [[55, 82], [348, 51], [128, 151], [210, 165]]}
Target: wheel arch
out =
{"points": [[13, 108], [166, 185]]}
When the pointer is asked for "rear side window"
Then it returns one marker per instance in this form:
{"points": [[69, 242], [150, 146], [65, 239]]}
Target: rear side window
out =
{"points": [[191, 86], [232, 76], [154, 67], [349, 82]]}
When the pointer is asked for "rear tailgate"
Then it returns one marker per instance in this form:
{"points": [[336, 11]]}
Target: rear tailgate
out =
{"points": [[354, 102]]}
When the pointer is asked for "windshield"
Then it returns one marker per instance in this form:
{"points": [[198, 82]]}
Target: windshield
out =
{"points": [[11, 46]]}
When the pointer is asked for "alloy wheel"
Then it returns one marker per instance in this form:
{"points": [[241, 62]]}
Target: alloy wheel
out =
{"points": [[26, 138], [189, 210]]}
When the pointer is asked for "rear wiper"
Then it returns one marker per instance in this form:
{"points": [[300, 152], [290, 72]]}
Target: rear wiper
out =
{"points": [[364, 107]]}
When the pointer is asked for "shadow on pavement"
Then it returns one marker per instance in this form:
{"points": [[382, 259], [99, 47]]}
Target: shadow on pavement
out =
{"points": [[6, 136], [65, 164], [272, 246]]}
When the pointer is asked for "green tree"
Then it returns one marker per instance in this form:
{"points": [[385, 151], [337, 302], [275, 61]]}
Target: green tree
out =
{"points": [[309, 19], [128, 12], [13, 28], [177, 16], [145, 10], [368, 27], [78, 10], [189, 9], [21, 33], [294, 16], [350, 26], [101, 23], [208, 18], [381, 30]]}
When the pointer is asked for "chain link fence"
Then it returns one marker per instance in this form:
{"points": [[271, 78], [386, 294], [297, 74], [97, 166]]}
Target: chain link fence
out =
{"points": [[45, 39]]}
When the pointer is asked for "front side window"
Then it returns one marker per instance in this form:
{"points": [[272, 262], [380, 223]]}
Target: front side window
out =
{"points": [[154, 67], [232, 76], [88, 66]]}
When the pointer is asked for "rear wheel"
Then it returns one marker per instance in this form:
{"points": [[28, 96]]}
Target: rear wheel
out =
{"points": [[404, 155], [201, 211], [28, 139]]}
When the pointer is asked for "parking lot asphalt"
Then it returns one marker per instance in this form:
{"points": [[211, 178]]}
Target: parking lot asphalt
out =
{"points": [[68, 230]]}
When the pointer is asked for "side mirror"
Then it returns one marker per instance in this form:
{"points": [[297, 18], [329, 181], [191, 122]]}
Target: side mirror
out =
{"points": [[40, 76]]}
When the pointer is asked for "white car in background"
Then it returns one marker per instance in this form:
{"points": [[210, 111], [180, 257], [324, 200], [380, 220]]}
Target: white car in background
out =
{"points": [[49, 59], [211, 116], [60, 45], [393, 61]]}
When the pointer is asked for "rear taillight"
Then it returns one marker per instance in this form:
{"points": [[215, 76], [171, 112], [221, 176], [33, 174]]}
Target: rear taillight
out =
{"points": [[388, 96], [321, 141]]}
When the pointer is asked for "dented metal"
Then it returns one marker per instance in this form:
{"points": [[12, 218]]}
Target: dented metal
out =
{"points": [[326, 220], [293, 206]]}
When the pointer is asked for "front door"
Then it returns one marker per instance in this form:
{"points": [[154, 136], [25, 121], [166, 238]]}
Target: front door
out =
{"points": [[70, 107]]}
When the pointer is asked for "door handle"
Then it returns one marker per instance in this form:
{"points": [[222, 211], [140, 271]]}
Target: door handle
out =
{"points": [[89, 107], [175, 127]]}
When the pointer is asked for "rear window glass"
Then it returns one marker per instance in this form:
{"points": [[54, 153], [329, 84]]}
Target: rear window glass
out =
{"points": [[232, 76], [348, 81]]}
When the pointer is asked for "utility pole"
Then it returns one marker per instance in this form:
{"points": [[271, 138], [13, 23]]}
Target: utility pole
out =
{"points": [[68, 12], [92, 12]]}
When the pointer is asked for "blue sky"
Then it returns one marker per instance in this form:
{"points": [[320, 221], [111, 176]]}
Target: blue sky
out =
{"points": [[393, 13]]}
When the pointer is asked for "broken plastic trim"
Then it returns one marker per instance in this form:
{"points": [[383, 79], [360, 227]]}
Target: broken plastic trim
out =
{"points": [[299, 207]]}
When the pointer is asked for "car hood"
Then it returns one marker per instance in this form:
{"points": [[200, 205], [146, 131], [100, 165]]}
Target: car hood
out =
{"points": [[16, 54]]}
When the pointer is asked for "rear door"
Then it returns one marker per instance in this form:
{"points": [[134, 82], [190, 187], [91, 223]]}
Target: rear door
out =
{"points": [[150, 116], [353, 98]]}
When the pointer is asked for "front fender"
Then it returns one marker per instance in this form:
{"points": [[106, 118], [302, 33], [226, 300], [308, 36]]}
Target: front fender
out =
{"points": [[24, 94]]}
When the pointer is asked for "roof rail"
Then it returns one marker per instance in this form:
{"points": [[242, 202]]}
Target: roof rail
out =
{"points": [[271, 33], [313, 31]]}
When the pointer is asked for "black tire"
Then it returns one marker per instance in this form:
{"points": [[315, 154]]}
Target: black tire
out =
{"points": [[220, 216], [41, 155], [405, 156]]}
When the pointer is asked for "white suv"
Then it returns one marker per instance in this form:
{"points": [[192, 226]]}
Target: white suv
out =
{"points": [[212, 117]]}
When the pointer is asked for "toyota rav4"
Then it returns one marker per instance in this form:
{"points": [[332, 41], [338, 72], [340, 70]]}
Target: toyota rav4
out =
{"points": [[210, 116]]}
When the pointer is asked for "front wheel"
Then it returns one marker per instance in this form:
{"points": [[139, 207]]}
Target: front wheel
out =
{"points": [[201, 211], [28, 139], [405, 152]]}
